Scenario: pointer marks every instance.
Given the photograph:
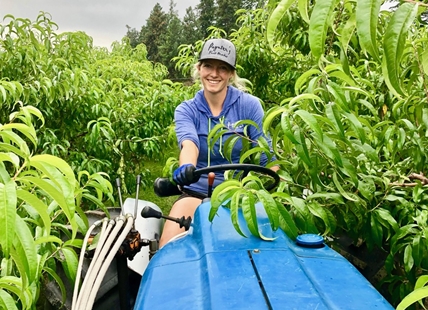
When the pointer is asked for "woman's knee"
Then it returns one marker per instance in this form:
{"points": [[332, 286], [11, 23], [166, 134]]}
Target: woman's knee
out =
{"points": [[183, 207]]}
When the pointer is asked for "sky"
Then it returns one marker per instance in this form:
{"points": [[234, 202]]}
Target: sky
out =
{"points": [[104, 20]]}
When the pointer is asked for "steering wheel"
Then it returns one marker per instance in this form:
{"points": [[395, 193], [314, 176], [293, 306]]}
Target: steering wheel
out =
{"points": [[245, 168], [164, 188]]}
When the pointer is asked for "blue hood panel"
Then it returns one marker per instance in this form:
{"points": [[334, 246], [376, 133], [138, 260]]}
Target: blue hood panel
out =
{"points": [[213, 267]]}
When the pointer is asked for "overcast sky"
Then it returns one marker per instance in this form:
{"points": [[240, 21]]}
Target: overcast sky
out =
{"points": [[104, 20]]}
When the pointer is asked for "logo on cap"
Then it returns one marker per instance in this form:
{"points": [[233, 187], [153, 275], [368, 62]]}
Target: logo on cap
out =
{"points": [[220, 49]]}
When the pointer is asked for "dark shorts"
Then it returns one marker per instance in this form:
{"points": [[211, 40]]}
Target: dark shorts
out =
{"points": [[185, 195]]}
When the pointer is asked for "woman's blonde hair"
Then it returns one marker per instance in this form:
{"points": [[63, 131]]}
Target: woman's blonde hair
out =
{"points": [[236, 81]]}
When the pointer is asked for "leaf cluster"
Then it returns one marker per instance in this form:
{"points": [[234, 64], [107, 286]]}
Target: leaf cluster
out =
{"points": [[41, 212]]}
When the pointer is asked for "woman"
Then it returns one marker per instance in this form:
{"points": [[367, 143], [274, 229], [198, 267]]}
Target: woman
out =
{"points": [[218, 101]]}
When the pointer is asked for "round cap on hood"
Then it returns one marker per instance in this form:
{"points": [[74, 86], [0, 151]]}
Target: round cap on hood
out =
{"points": [[220, 49]]}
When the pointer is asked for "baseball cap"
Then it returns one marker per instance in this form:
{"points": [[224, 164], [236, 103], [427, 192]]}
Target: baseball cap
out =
{"points": [[220, 49]]}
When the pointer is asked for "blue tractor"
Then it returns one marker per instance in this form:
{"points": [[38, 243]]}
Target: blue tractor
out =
{"points": [[212, 266]]}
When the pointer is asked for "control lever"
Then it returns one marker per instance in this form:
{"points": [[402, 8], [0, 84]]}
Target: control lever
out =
{"points": [[211, 177], [136, 196], [148, 212], [118, 185]]}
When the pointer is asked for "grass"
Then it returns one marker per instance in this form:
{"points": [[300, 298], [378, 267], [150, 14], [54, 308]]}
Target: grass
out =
{"points": [[164, 203]]}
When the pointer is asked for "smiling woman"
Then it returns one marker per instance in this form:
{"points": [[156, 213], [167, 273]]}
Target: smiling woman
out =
{"points": [[217, 103]]}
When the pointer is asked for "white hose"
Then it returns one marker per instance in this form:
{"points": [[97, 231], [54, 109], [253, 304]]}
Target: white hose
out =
{"points": [[98, 257], [92, 277], [108, 260], [81, 259]]}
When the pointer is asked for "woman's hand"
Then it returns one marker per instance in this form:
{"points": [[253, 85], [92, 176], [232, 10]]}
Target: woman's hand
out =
{"points": [[185, 175]]}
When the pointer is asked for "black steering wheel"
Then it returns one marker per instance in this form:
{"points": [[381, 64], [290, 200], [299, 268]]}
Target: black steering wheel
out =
{"points": [[164, 188], [246, 168]]}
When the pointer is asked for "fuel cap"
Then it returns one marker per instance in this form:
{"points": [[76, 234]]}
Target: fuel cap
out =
{"points": [[310, 241]]}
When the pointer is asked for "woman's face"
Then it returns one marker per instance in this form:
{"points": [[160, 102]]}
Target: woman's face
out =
{"points": [[215, 75]]}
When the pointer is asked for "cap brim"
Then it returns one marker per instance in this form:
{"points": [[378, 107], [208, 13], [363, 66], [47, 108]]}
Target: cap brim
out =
{"points": [[216, 57]]}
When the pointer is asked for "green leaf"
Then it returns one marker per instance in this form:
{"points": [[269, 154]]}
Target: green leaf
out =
{"points": [[59, 164], [339, 187], [270, 116], [234, 211], [303, 79], [318, 26], [303, 9], [302, 149], [14, 285], [367, 13], [274, 20], [424, 60], [408, 258], [302, 97], [48, 239], [10, 157], [229, 145], [311, 121], [338, 74], [386, 215], [346, 34], [418, 250], [221, 194], [24, 239], [7, 301], [249, 212], [330, 149], [376, 230], [8, 201], [339, 95], [69, 263], [270, 206], [394, 44], [3, 92], [337, 198], [367, 187], [28, 109], [21, 152], [334, 116], [301, 207], [58, 280], [422, 281], [286, 222], [325, 215], [413, 297], [286, 127], [356, 124], [247, 155], [17, 255], [27, 131], [67, 207], [97, 203], [33, 201]]}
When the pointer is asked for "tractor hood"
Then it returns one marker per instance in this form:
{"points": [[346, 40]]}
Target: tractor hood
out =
{"points": [[213, 267]]}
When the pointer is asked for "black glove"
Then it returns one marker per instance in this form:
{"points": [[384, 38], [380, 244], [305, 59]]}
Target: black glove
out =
{"points": [[185, 175]]}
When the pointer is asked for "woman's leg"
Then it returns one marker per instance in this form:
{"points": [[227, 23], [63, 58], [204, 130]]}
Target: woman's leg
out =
{"points": [[182, 207]]}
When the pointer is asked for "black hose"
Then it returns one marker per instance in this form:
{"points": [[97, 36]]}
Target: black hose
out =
{"points": [[122, 279]]}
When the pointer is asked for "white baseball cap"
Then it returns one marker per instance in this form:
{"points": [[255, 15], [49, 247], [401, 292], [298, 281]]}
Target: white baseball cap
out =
{"points": [[220, 49]]}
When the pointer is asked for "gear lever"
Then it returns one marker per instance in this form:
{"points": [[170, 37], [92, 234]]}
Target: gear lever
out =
{"points": [[148, 212]]}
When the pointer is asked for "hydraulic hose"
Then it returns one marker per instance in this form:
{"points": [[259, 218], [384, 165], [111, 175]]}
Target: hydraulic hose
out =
{"points": [[103, 246], [108, 260], [82, 257]]}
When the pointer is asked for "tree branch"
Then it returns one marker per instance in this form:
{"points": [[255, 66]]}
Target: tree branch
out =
{"points": [[413, 176]]}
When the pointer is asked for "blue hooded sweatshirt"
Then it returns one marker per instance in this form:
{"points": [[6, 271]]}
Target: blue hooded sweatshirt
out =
{"points": [[194, 120]]}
